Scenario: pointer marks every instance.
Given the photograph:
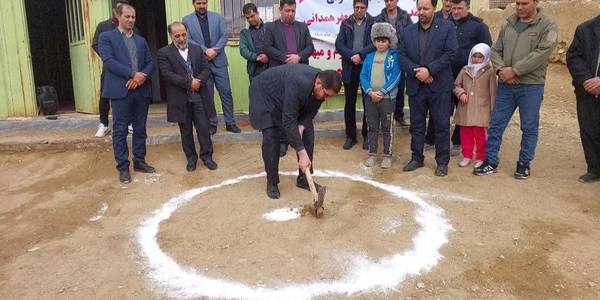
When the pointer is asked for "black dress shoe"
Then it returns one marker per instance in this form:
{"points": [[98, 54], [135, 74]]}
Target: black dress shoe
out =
{"points": [[441, 171], [283, 147], [273, 191], [191, 166], [210, 164], [212, 129], [350, 142], [412, 165], [365, 144], [124, 176], [143, 167], [589, 177], [233, 128]]}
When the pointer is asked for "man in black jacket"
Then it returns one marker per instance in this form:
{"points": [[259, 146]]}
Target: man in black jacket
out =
{"points": [[426, 51], [398, 18], [287, 41], [353, 42], [104, 104], [446, 11], [286, 99], [583, 61], [185, 71]]}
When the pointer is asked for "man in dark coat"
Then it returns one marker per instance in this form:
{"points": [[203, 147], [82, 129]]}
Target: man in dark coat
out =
{"points": [[127, 64], [104, 104], [353, 42], [446, 11], [286, 99], [287, 40], [398, 18], [583, 61], [426, 52], [185, 71]]}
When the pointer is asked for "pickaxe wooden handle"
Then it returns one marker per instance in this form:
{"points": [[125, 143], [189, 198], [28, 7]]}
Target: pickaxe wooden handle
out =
{"points": [[311, 185]]}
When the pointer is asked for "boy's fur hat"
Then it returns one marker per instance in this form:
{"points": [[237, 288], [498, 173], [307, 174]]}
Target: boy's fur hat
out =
{"points": [[385, 30]]}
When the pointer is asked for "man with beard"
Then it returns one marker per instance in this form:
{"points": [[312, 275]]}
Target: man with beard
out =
{"points": [[208, 30], [286, 99], [426, 52], [184, 72]]}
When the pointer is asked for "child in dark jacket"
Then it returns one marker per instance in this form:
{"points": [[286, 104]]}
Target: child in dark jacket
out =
{"points": [[379, 79]]}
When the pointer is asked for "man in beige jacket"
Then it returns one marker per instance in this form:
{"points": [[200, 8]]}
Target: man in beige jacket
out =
{"points": [[520, 58]]}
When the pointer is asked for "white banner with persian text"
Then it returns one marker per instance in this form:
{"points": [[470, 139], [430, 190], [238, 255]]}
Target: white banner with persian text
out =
{"points": [[324, 18]]}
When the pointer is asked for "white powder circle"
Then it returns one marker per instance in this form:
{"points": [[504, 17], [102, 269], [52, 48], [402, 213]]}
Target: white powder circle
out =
{"points": [[365, 274]]}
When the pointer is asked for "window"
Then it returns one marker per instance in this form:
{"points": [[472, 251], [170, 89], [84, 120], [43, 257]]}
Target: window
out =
{"points": [[74, 21], [234, 17]]}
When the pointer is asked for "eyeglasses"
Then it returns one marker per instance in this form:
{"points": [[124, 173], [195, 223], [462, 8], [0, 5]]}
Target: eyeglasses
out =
{"points": [[180, 35], [360, 7]]}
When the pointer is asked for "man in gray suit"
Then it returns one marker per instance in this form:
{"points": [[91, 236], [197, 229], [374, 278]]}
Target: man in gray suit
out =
{"points": [[208, 30]]}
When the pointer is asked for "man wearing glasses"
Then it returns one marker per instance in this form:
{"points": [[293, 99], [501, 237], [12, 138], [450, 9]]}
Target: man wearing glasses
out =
{"points": [[354, 43]]}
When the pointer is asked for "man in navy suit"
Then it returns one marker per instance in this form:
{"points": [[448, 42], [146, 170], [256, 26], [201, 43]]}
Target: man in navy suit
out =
{"points": [[208, 30], [127, 64], [426, 52]]}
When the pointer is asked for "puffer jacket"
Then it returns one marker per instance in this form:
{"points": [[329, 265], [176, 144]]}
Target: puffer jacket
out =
{"points": [[391, 71]]}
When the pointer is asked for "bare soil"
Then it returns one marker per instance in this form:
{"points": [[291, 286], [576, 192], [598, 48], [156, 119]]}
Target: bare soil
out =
{"points": [[534, 239]]}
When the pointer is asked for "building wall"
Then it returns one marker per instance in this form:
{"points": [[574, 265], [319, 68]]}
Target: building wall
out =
{"points": [[17, 93], [17, 90]]}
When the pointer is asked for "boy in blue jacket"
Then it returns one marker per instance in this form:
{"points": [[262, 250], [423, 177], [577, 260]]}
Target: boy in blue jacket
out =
{"points": [[379, 79]]}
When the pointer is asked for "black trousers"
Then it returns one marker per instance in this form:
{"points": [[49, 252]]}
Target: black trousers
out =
{"points": [[196, 117], [104, 106], [350, 94], [270, 150], [430, 136], [588, 115], [438, 106]]}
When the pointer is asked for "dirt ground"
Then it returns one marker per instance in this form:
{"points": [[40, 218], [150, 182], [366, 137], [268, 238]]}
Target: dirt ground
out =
{"points": [[518, 239]]}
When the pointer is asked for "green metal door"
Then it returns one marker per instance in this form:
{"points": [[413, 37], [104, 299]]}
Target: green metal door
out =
{"points": [[85, 65]]}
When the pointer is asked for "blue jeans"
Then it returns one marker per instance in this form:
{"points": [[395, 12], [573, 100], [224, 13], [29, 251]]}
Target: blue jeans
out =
{"points": [[528, 98]]}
